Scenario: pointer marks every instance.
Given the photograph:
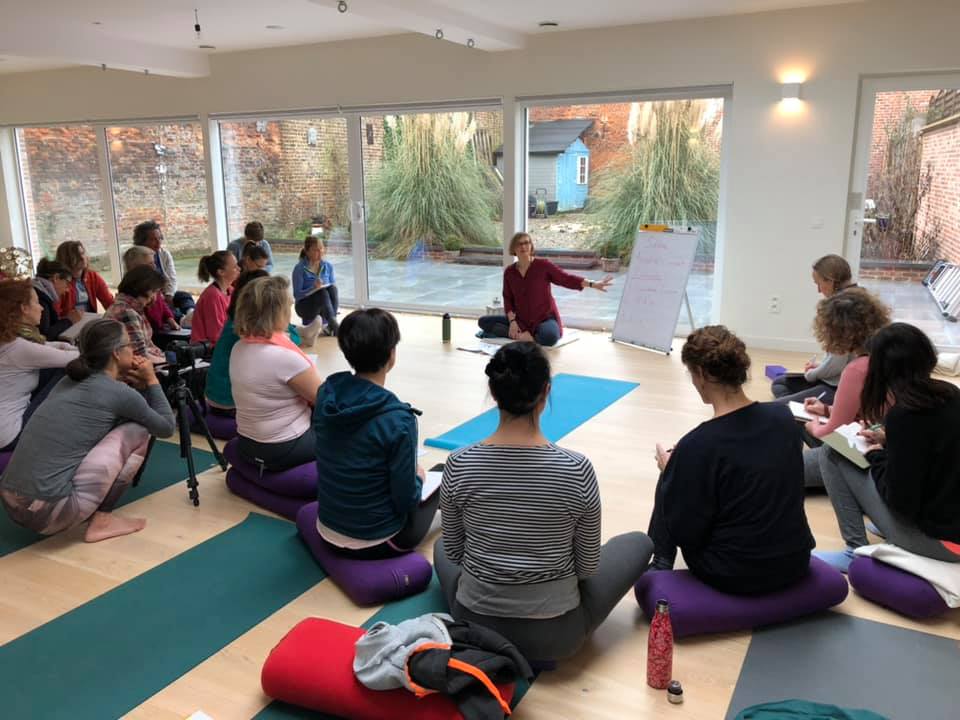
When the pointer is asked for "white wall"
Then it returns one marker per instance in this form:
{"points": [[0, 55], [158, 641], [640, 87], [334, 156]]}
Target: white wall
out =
{"points": [[783, 173]]}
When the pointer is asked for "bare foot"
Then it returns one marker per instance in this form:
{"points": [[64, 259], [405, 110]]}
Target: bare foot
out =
{"points": [[525, 336], [107, 525]]}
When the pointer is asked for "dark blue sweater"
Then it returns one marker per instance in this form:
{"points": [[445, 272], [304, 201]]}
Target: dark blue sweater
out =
{"points": [[366, 458]]}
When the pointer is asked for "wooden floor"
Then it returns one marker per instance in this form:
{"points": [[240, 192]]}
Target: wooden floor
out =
{"points": [[606, 680]]}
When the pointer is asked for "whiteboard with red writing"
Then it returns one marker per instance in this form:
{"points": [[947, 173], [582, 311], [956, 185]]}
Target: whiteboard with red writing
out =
{"points": [[656, 282]]}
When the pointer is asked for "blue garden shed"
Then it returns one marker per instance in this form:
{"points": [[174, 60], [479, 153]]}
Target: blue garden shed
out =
{"points": [[558, 163]]}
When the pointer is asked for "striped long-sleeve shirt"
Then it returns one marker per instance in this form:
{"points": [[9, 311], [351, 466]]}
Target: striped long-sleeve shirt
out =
{"points": [[524, 525]]}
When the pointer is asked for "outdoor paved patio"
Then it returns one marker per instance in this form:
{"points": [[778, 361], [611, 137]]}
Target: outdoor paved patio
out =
{"points": [[448, 285]]}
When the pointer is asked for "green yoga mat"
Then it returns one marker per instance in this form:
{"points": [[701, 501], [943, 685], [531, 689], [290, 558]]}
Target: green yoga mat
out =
{"points": [[164, 468], [429, 601], [116, 651]]}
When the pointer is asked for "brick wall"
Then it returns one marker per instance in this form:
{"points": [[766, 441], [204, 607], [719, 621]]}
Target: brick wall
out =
{"points": [[158, 173], [887, 112], [941, 152], [61, 177]]}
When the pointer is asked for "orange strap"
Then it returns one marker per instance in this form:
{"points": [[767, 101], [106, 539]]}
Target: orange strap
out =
{"points": [[463, 667], [952, 547], [482, 677]]}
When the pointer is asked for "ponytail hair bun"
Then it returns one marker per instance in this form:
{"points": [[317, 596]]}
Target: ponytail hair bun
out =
{"points": [[98, 340], [78, 370], [719, 354], [519, 375]]}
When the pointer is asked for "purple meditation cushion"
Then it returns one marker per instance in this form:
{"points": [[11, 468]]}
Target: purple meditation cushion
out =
{"points": [[221, 427], [696, 608], [274, 502], [895, 589], [774, 371], [296, 482], [366, 582], [5, 459]]}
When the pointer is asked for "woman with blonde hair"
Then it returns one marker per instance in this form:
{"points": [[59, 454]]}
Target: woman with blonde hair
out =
{"points": [[831, 275], [531, 311], [274, 384], [315, 290]]}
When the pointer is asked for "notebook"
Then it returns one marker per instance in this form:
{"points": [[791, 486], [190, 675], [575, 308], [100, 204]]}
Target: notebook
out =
{"points": [[73, 332], [848, 443], [800, 413]]}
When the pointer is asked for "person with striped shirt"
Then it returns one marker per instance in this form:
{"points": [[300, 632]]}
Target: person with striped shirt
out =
{"points": [[521, 551]]}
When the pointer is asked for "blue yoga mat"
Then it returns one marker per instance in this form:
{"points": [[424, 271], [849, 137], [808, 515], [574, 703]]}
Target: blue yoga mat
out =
{"points": [[164, 468], [574, 399], [111, 654]]}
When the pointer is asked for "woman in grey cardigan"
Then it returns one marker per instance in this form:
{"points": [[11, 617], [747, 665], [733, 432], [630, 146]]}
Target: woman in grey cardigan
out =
{"points": [[41, 488]]}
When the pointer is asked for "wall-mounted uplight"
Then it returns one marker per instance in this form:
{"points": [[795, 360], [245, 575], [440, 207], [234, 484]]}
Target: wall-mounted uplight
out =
{"points": [[790, 97]]}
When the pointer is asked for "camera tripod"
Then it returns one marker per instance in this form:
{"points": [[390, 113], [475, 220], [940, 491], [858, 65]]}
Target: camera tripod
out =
{"points": [[181, 398]]}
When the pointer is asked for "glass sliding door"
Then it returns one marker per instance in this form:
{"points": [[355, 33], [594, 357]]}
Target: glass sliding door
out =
{"points": [[595, 172], [434, 200], [293, 176], [158, 172], [61, 179]]}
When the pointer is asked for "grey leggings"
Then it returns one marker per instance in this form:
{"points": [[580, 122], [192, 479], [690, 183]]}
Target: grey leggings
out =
{"points": [[622, 561], [853, 492]]}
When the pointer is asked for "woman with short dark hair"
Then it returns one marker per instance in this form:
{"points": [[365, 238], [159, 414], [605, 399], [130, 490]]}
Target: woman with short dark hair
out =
{"points": [[912, 490], [43, 488], [521, 550], [730, 494], [370, 484], [138, 289], [51, 283]]}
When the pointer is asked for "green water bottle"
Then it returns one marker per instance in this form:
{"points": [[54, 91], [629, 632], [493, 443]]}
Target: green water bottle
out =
{"points": [[446, 327]]}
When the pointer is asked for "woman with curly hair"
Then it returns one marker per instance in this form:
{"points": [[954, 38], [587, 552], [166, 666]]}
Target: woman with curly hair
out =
{"points": [[730, 495], [912, 489], [843, 325]]}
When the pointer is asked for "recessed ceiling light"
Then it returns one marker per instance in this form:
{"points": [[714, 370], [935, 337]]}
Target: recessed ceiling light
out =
{"points": [[549, 24], [207, 47], [274, 27], [97, 22]]}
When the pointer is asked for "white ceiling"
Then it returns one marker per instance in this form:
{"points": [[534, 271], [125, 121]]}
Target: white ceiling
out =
{"points": [[159, 36]]}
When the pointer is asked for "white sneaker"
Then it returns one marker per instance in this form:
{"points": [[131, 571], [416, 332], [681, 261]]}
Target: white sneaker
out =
{"points": [[308, 333]]}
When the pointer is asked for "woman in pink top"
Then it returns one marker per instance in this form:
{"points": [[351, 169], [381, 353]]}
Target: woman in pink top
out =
{"points": [[532, 313], [211, 311], [844, 324]]}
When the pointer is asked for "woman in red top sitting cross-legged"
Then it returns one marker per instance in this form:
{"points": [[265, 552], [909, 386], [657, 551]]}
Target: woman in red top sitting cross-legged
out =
{"points": [[532, 314]]}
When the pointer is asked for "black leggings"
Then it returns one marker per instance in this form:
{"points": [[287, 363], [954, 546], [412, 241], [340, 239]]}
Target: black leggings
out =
{"points": [[280, 456], [412, 533], [324, 302]]}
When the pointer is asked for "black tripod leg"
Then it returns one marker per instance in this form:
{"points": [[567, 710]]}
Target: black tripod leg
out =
{"points": [[146, 459], [195, 408], [186, 451]]}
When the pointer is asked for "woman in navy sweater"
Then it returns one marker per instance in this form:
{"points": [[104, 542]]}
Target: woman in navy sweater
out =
{"points": [[369, 482]]}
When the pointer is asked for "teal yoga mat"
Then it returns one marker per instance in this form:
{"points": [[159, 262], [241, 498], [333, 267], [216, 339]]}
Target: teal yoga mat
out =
{"points": [[429, 601], [164, 468], [574, 399], [116, 651]]}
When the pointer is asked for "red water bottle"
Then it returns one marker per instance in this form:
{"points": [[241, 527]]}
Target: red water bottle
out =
{"points": [[660, 648]]}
